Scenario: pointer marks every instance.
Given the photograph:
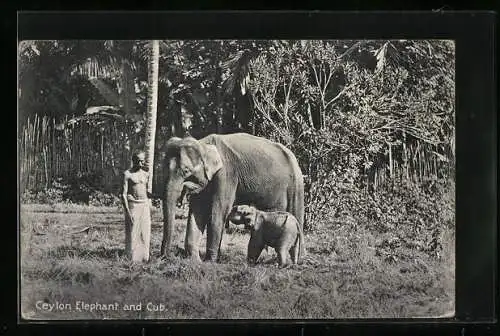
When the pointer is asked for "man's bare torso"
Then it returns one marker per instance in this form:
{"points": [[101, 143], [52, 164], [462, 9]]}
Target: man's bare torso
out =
{"points": [[137, 184]]}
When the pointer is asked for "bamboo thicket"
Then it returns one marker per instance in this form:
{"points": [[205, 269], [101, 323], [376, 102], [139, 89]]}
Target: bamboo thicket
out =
{"points": [[50, 151]]}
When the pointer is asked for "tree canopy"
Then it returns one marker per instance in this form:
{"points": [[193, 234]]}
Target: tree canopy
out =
{"points": [[348, 109]]}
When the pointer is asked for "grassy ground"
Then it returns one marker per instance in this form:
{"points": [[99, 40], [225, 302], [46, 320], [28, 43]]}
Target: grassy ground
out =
{"points": [[341, 276]]}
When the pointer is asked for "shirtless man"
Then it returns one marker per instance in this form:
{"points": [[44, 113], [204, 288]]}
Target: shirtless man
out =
{"points": [[136, 204]]}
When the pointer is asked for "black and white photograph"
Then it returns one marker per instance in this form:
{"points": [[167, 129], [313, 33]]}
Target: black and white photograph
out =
{"points": [[236, 179]]}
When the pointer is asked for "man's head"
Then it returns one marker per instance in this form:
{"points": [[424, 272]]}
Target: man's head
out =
{"points": [[139, 159]]}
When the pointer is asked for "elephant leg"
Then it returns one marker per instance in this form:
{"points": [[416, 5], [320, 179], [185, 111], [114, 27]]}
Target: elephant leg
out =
{"points": [[221, 206], [192, 240], [282, 255], [255, 247], [293, 247], [195, 228], [294, 253]]}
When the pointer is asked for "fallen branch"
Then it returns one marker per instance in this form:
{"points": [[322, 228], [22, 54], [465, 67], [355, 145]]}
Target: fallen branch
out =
{"points": [[84, 230]]}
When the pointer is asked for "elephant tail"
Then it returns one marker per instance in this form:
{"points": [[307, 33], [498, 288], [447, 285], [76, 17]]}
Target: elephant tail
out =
{"points": [[300, 242], [296, 188]]}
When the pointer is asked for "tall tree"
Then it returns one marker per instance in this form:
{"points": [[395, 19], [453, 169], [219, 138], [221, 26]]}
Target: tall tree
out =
{"points": [[152, 105], [142, 232]]}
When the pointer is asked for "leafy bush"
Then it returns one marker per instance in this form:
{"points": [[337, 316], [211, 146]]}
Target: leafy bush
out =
{"points": [[54, 194], [403, 216], [350, 124], [47, 196], [99, 198], [413, 216], [82, 189]]}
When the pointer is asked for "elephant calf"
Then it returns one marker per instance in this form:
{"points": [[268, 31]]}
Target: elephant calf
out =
{"points": [[277, 229]]}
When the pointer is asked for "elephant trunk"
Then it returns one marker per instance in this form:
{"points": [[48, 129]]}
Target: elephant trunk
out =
{"points": [[172, 193]]}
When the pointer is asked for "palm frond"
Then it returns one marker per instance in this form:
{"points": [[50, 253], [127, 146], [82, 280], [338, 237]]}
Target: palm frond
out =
{"points": [[239, 72], [387, 54], [93, 68], [96, 115], [108, 93], [380, 55]]}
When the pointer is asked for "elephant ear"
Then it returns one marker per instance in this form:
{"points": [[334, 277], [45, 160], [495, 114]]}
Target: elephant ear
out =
{"points": [[189, 160], [171, 143], [171, 146], [211, 161]]}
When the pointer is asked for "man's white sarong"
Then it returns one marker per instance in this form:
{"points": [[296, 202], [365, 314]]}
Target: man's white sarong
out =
{"points": [[138, 232]]}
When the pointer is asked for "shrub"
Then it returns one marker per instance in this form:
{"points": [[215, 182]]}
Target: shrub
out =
{"points": [[349, 123], [52, 195], [99, 198], [414, 216], [81, 189], [404, 216]]}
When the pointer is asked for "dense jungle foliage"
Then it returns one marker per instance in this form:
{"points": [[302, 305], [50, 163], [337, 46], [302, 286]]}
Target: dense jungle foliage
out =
{"points": [[362, 117]]}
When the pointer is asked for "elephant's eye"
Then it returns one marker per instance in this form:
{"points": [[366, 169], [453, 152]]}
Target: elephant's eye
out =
{"points": [[184, 171]]}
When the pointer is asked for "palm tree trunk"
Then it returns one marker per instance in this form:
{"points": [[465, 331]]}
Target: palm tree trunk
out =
{"points": [[219, 113], [137, 241], [152, 108]]}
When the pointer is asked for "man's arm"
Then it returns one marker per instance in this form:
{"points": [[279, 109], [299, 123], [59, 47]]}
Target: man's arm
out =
{"points": [[181, 197], [124, 194], [149, 194]]}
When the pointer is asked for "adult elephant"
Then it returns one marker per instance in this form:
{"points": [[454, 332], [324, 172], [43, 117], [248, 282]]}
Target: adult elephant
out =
{"points": [[222, 170]]}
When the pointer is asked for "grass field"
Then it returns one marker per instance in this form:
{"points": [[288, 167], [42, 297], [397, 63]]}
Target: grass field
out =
{"points": [[342, 276]]}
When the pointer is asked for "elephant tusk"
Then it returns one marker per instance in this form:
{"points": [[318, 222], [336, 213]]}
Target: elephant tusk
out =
{"points": [[191, 185]]}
